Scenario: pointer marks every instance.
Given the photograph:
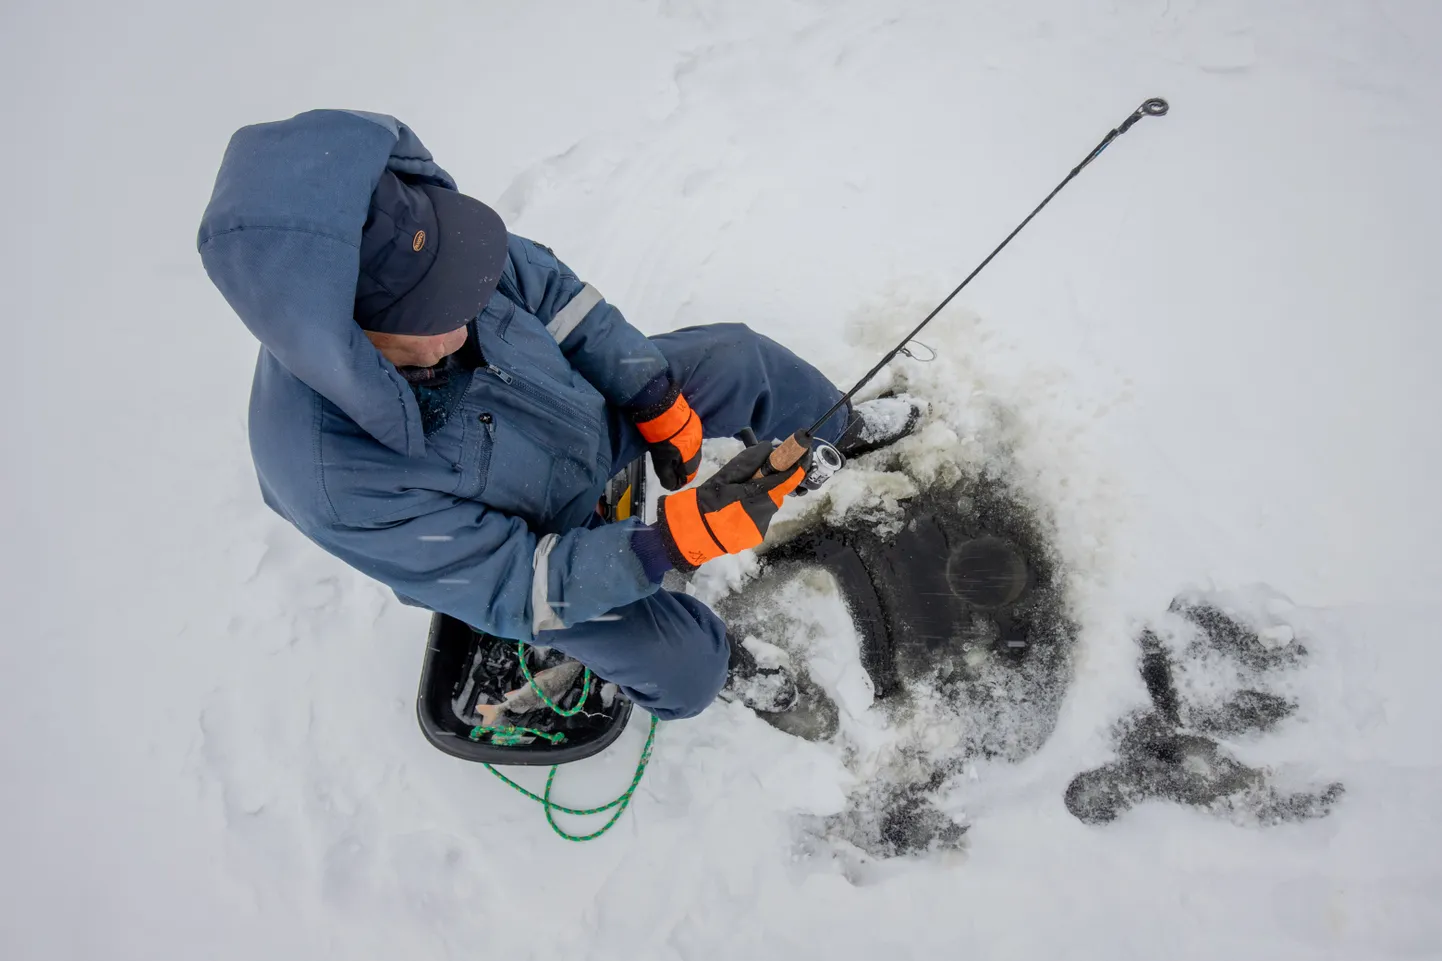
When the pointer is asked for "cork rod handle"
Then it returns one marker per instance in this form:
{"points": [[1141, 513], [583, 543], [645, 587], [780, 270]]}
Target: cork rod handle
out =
{"points": [[786, 455]]}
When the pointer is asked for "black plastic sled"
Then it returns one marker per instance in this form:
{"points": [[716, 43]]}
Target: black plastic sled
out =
{"points": [[458, 666], [464, 667]]}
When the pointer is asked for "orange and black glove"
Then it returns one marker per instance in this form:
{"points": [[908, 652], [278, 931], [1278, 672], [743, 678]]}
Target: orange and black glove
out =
{"points": [[672, 432], [727, 514]]}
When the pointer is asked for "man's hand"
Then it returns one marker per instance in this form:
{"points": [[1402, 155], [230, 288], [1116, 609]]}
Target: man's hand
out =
{"points": [[673, 436], [729, 513]]}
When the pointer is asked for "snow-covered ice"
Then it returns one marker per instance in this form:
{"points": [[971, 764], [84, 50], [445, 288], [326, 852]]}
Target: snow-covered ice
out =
{"points": [[1208, 365]]}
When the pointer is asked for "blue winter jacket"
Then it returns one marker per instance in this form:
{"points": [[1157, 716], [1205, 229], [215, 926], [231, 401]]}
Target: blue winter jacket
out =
{"points": [[486, 518]]}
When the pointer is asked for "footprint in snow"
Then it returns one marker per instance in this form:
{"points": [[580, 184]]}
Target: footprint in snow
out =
{"points": [[1214, 680]]}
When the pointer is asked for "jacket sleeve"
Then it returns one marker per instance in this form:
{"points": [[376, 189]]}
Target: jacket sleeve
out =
{"points": [[489, 570], [615, 357]]}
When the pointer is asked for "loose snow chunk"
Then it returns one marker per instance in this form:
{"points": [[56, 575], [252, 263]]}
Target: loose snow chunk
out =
{"points": [[1279, 636], [766, 653]]}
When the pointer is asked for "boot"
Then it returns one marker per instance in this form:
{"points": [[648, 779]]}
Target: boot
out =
{"points": [[770, 690], [879, 423]]}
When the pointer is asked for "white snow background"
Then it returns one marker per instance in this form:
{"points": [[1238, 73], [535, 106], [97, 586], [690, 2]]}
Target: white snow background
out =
{"points": [[1218, 347]]}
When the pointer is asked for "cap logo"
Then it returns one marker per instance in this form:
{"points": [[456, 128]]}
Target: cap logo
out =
{"points": [[418, 241]]}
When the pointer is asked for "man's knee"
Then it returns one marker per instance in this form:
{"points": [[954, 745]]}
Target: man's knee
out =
{"points": [[668, 652], [689, 692], [739, 344], [694, 350]]}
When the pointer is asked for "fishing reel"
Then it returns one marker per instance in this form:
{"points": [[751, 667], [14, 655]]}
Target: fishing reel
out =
{"points": [[825, 461], [825, 458]]}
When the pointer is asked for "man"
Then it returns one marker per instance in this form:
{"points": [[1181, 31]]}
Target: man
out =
{"points": [[440, 403]]}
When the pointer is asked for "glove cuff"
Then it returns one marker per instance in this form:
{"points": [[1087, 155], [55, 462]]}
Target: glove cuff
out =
{"points": [[654, 399], [671, 421]]}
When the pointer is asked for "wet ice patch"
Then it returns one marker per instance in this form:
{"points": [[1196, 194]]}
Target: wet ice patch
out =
{"points": [[906, 677], [913, 693]]}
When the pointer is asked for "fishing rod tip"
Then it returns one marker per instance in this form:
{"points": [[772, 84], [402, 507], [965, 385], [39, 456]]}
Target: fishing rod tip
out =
{"points": [[1155, 107]]}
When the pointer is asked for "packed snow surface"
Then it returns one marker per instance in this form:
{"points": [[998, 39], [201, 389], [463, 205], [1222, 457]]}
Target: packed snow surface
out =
{"points": [[1209, 366]]}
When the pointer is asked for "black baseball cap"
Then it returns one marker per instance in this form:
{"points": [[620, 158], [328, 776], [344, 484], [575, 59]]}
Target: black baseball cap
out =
{"points": [[430, 258]]}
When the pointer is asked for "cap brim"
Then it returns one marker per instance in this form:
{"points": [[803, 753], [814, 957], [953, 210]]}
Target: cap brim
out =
{"points": [[469, 260]]}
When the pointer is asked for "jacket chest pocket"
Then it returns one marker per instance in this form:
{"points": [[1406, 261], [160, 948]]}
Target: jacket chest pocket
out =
{"points": [[527, 452], [504, 468]]}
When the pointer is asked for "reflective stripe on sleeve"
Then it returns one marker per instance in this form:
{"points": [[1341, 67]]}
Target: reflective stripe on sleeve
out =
{"points": [[543, 616], [569, 317]]}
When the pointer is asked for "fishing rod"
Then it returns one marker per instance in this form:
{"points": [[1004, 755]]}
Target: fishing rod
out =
{"points": [[827, 458]]}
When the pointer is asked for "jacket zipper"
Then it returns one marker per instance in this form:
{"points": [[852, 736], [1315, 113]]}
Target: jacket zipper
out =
{"points": [[542, 397], [483, 458]]}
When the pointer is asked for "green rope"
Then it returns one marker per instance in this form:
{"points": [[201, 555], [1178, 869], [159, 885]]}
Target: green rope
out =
{"points": [[508, 735], [619, 804]]}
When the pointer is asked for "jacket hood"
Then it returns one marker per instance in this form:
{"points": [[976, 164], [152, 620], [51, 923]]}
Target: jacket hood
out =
{"points": [[281, 240]]}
